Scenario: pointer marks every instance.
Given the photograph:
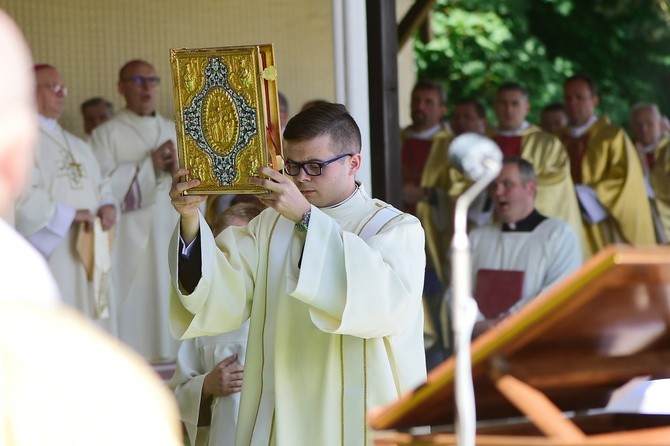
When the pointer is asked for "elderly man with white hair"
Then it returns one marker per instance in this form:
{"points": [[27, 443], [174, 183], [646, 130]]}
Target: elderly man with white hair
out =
{"points": [[653, 146]]}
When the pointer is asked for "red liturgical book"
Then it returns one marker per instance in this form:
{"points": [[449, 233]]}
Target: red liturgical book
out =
{"points": [[509, 145], [497, 290]]}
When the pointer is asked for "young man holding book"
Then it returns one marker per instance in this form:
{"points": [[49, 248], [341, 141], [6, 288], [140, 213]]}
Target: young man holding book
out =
{"points": [[330, 280]]}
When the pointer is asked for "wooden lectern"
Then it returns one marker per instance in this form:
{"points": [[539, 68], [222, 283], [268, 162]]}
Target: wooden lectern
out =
{"points": [[541, 375]]}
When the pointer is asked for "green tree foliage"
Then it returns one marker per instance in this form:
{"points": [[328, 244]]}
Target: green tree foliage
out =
{"points": [[622, 44]]}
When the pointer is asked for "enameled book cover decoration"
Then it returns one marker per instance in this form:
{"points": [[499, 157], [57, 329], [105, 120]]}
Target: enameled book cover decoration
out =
{"points": [[227, 115]]}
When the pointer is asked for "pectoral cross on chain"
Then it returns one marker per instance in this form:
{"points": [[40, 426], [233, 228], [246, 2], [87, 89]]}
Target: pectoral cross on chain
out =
{"points": [[75, 171]]}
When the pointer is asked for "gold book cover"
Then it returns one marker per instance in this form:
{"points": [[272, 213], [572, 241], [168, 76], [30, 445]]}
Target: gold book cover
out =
{"points": [[226, 115]]}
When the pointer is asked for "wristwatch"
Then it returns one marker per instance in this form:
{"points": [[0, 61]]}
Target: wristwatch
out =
{"points": [[304, 222]]}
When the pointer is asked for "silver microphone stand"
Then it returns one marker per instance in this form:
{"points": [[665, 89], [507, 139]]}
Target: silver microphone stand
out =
{"points": [[464, 306]]}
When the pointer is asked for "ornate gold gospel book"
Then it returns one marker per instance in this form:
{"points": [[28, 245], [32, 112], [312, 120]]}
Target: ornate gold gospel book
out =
{"points": [[227, 115]]}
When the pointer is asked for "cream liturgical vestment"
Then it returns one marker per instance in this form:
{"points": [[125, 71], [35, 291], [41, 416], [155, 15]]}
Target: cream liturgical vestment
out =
{"points": [[197, 357], [66, 177], [336, 320], [123, 146]]}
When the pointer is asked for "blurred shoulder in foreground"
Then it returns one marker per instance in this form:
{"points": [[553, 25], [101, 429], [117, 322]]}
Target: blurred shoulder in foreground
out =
{"points": [[63, 381]]}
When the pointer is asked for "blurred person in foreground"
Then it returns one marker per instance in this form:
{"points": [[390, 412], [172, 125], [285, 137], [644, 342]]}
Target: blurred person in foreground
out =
{"points": [[62, 380]]}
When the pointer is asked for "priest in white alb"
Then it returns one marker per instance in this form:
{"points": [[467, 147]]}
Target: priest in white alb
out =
{"points": [[136, 148]]}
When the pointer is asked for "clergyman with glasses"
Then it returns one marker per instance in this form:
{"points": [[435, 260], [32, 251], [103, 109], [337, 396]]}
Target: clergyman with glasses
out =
{"points": [[68, 199], [329, 278], [137, 149]]}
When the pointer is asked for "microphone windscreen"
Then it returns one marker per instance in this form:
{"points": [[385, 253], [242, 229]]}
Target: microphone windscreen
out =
{"points": [[473, 154]]}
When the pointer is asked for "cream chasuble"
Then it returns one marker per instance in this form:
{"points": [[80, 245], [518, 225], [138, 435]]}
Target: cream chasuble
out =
{"points": [[555, 190], [123, 146], [66, 173], [329, 339], [605, 159]]}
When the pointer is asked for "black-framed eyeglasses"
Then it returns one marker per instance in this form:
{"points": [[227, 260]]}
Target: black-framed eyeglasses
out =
{"points": [[151, 81], [311, 168]]}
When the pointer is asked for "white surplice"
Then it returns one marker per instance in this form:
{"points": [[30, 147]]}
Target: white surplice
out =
{"points": [[336, 321], [546, 254], [123, 145], [196, 358]]}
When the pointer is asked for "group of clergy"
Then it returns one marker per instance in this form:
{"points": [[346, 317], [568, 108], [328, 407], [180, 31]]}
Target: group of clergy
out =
{"points": [[589, 172], [99, 210]]}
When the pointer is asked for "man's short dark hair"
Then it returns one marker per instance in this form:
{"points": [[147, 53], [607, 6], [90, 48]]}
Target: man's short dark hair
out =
{"points": [[553, 107], [428, 84], [95, 102], [588, 80], [329, 119], [479, 107], [313, 102], [513, 86], [526, 169]]}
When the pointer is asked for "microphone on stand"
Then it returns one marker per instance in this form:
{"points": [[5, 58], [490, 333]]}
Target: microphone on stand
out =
{"points": [[480, 159], [475, 155]]}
